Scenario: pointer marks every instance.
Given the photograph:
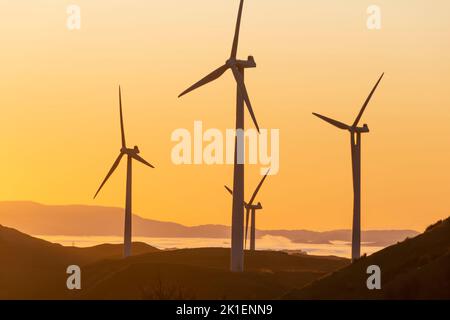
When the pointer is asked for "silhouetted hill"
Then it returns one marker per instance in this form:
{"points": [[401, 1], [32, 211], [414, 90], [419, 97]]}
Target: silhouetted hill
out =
{"points": [[37, 219], [417, 268], [30, 267], [203, 274], [36, 269]]}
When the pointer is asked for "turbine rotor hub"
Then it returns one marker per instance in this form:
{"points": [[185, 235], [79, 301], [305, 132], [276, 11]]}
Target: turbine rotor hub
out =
{"points": [[230, 62]]}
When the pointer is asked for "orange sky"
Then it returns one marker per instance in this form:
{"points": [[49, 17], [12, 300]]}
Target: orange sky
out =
{"points": [[60, 129]]}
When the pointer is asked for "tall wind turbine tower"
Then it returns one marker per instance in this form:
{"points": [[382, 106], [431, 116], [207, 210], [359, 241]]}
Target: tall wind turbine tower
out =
{"points": [[355, 140], [132, 154], [238, 69]]}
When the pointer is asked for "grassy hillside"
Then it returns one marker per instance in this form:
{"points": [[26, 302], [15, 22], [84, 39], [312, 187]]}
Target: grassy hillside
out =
{"points": [[35, 269], [417, 268], [203, 274]]}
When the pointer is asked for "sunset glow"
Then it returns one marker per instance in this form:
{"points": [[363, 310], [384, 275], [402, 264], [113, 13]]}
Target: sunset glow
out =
{"points": [[60, 125]]}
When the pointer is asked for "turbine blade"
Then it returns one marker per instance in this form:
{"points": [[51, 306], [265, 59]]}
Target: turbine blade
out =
{"points": [[111, 171], [121, 119], [258, 188], [141, 160], [209, 78], [333, 122], [237, 31], [247, 213], [244, 93], [358, 118], [229, 190]]}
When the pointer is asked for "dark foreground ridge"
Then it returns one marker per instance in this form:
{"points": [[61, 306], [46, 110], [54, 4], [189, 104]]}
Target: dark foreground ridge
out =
{"points": [[35, 269], [417, 268]]}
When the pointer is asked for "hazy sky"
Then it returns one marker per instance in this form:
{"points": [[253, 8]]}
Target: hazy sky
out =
{"points": [[60, 130]]}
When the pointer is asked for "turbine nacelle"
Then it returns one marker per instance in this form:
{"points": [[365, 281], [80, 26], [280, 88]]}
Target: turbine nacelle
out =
{"points": [[129, 151], [244, 64], [363, 129], [254, 207]]}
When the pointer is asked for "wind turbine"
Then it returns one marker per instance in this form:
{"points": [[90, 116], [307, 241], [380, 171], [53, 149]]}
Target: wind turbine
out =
{"points": [[250, 207], [131, 154], [355, 136], [237, 67]]}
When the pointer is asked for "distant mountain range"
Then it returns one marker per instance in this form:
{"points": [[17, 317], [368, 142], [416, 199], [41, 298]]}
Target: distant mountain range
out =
{"points": [[81, 220]]}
